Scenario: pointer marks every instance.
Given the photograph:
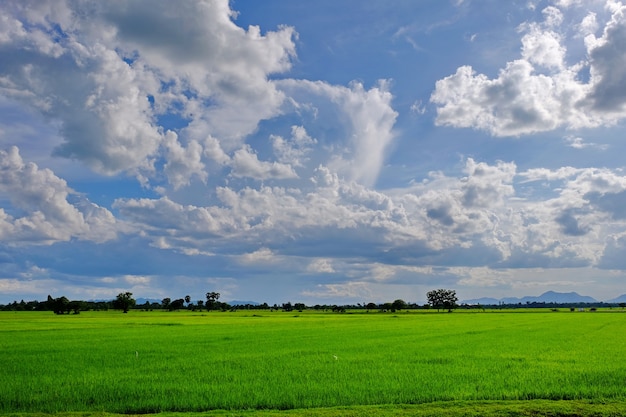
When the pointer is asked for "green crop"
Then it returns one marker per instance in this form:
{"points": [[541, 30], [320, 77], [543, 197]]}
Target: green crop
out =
{"points": [[145, 362]]}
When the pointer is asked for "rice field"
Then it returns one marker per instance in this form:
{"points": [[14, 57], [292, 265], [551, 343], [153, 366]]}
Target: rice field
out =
{"points": [[152, 362]]}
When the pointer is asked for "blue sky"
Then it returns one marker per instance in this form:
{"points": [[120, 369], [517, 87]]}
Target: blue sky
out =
{"points": [[326, 152]]}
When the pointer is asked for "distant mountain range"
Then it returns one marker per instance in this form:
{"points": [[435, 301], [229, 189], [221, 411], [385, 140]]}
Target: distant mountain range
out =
{"points": [[546, 297], [243, 303], [620, 299]]}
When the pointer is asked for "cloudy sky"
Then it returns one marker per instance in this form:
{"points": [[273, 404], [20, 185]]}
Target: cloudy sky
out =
{"points": [[319, 152]]}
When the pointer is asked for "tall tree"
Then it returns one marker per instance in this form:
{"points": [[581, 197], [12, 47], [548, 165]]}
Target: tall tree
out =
{"points": [[124, 301], [59, 305], [442, 299], [211, 300], [398, 304]]}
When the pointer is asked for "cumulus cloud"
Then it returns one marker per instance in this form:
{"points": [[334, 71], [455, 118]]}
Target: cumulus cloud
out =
{"points": [[295, 149], [540, 91], [476, 218], [367, 118], [183, 163], [169, 102], [245, 163], [40, 210], [608, 65], [106, 80]]}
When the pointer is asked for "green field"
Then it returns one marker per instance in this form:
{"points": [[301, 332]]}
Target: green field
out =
{"points": [[260, 362]]}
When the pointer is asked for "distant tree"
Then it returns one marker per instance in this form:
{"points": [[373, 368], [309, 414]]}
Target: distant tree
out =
{"points": [[211, 300], [76, 306], [59, 305], [371, 306], [124, 301], [299, 306], [200, 304], [442, 299], [176, 304], [287, 306], [165, 303], [398, 305], [188, 300]]}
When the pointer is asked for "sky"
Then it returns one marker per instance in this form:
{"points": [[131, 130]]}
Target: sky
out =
{"points": [[327, 152]]}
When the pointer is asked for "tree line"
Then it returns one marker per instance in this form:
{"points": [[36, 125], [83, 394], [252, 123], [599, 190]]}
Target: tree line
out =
{"points": [[440, 299]]}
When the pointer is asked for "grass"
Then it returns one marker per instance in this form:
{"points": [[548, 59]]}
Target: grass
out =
{"points": [[313, 363]]}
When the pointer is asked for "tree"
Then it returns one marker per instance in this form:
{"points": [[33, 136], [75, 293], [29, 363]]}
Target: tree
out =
{"points": [[188, 300], [442, 299], [76, 306], [165, 303], [59, 305], [124, 301], [371, 306], [211, 299], [398, 304], [176, 304]]}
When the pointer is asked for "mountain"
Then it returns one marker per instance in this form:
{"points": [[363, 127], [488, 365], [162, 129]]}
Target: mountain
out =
{"points": [[546, 297], [243, 303], [620, 299], [483, 301]]}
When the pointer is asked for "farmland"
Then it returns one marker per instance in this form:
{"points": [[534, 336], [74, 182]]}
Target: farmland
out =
{"points": [[186, 362]]}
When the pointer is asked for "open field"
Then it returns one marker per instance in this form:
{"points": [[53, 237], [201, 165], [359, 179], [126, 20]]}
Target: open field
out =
{"points": [[150, 362]]}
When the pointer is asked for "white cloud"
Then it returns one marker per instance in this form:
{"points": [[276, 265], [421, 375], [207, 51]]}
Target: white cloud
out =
{"points": [[263, 255], [367, 117], [245, 163], [543, 48], [293, 151], [589, 25], [168, 219], [183, 163], [137, 280], [608, 66], [523, 100], [106, 80], [579, 143], [567, 3], [321, 265], [40, 210], [552, 16]]}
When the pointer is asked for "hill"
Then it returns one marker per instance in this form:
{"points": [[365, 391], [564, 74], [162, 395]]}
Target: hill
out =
{"points": [[546, 297], [620, 299]]}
